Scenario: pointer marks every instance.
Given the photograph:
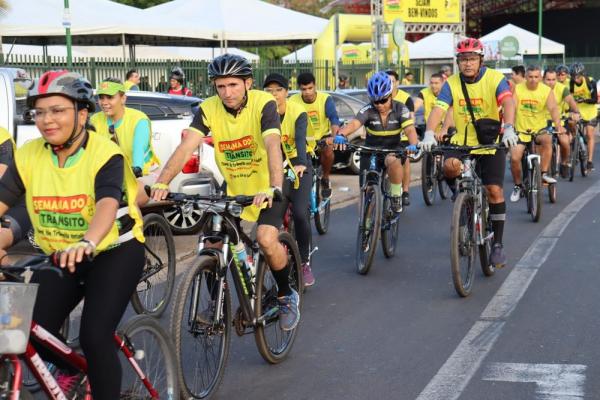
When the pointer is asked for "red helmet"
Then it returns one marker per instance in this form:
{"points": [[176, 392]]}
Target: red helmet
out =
{"points": [[64, 83], [469, 45]]}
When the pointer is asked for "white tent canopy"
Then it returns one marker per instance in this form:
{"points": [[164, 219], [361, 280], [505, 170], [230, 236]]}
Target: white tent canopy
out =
{"points": [[528, 41], [439, 45], [229, 20]]}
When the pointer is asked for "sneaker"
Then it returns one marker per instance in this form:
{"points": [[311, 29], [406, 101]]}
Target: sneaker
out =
{"points": [[289, 312], [547, 179], [516, 193], [405, 199], [307, 275], [564, 171], [73, 386], [325, 188], [497, 256], [590, 166], [396, 203]]}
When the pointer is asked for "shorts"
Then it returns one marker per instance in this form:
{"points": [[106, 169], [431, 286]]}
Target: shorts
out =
{"points": [[20, 224], [274, 215], [593, 122], [490, 167]]}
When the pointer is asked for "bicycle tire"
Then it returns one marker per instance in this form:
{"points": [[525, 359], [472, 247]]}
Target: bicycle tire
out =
{"points": [[535, 191], [428, 179], [266, 291], [554, 163], [370, 214], [190, 356], [552, 192], [149, 352], [574, 156], [6, 377], [583, 159], [390, 224], [159, 268], [485, 249], [288, 222], [321, 216], [462, 244]]}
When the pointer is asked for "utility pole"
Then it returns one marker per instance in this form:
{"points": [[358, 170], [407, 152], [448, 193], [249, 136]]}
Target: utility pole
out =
{"points": [[67, 25], [540, 9]]}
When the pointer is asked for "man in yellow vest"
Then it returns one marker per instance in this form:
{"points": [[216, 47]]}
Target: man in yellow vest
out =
{"points": [[533, 98], [487, 89], [428, 96], [322, 121], [562, 74], [129, 128], [585, 93], [404, 98], [565, 100], [132, 80], [246, 132]]}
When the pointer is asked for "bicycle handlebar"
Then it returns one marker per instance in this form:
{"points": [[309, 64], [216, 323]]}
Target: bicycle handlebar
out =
{"points": [[32, 264], [467, 149]]}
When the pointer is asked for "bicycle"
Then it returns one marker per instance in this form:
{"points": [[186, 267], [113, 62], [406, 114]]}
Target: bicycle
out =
{"points": [[202, 310], [432, 178], [532, 177], [375, 215], [320, 207], [579, 153], [554, 163], [470, 228], [145, 379]]}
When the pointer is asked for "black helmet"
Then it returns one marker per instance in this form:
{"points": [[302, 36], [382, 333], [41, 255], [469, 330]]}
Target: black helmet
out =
{"points": [[562, 68], [177, 74], [64, 83], [229, 65], [577, 69]]}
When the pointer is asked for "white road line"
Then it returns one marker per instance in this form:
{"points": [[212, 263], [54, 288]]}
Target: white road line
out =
{"points": [[454, 376]]}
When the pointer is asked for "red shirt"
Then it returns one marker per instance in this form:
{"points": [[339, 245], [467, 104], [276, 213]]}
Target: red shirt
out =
{"points": [[183, 91]]}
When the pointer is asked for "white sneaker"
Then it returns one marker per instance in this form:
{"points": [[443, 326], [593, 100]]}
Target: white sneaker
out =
{"points": [[548, 179], [516, 194]]}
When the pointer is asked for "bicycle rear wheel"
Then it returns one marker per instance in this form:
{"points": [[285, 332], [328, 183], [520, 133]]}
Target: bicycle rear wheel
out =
{"points": [[368, 227], [485, 249], [154, 289], [462, 244], [574, 157], [390, 224], [201, 343], [273, 343], [535, 191], [429, 180], [321, 216]]}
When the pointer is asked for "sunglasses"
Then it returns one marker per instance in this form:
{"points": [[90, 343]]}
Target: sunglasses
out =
{"points": [[382, 101]]}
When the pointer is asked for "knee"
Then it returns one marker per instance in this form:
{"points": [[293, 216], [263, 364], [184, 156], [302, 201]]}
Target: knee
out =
{"points": [[267, 237], [452, 167], [495, 193]]}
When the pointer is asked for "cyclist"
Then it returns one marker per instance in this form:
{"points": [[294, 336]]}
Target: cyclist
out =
{"points": [[245, 128], [517, 76], [533, 98], [293, 137], [487, 90], [564, 100], [176, 83], [585, 94], [428, 96], [129, 128], [323, 121], [562, 74], [405, 98], [72, 179], [132, 80], [384, 119]]}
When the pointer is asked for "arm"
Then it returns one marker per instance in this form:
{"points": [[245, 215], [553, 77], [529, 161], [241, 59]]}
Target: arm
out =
{"points": [[418, 102], [350, 127], [572, 107], [273, 147], [6, 156], [552, 106], [593, 93], [411, 133], [508, 108], [300, 134], [435, 117], [448, 121], [332, 115], [141, 143], [11, 188]]}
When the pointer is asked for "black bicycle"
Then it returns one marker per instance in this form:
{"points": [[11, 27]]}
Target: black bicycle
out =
{"points": [[471, 228], [532, 177], [579, 152], [202, 318], [432, 178]]}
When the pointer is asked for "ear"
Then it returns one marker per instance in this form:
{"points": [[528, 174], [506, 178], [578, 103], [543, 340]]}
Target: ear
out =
{"points": [[248, 82], [123, 98], [83, 115]]}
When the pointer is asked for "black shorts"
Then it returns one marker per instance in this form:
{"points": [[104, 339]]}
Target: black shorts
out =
{"points": [[274, 215], [592, 122], [490, 167], [20, 223]]}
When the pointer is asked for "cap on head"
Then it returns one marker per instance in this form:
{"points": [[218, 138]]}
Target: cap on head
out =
{"points": [[276, 78], [110, 88]]}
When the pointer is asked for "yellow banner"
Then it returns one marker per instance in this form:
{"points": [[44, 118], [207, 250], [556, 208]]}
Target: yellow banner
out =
{"points": [[422, 11]]}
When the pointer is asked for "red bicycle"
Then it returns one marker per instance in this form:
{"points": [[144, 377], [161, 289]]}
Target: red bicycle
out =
{"points": [[146, 346]]}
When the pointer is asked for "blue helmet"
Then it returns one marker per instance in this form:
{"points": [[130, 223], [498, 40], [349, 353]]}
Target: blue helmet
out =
{"points": [[379, 86]]}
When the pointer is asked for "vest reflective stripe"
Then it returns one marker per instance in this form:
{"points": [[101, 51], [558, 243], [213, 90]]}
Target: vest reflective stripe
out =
{"points": [[60, 201], [429, 100], [240, 151], [483, 101], [318, 123], [5, 135], [531, 109], [288, 128], [125, 135], [588, 111]]}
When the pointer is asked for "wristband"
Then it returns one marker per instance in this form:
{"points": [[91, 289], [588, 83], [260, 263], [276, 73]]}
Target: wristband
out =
{"points": [[160, 186], [90, 243]]}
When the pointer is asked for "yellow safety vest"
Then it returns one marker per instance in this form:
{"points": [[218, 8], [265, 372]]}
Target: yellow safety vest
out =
{"points": [[125, 134], [128, 85], [5, 135], [559, 91], [60, 201], [240, 151], [429, 101], [531, 109], [318, 123], [588, 111], [402, 96], [288, 128]]}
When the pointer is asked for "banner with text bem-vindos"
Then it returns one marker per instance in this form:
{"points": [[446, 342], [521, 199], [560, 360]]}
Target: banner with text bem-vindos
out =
{"points": [[422, 11]]}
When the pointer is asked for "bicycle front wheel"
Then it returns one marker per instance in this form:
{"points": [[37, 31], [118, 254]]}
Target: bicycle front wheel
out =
{"points": [[323, 210], [429, 181], [485, 249], [155, 287], [583, 157], [574, 157], [201, 341], [462, 244], [368, 227], [273, 343], [153, 356], [390, 224], [535, 191]]}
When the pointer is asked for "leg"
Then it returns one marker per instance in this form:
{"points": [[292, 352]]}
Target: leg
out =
{"points": [[405, 182], [326, 158], [589, 133], [492, 169], [300, 199], [109, 282], [19, 227], [516, 155], [6, 240], [543, 146], [395, 171], [565, 148]]}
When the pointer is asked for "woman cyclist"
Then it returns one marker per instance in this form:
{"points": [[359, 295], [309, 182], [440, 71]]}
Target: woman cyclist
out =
{"points": [[73, 180], [293, 137]]}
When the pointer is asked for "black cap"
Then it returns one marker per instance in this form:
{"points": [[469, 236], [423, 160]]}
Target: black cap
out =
{"points": [[276, 78]]}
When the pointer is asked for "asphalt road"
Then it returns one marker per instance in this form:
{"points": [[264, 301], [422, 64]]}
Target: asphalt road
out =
{"points": [[401, 332]]}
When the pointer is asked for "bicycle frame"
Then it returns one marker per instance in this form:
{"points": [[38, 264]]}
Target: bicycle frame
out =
{"points": [[315, 206], [470, 182]]}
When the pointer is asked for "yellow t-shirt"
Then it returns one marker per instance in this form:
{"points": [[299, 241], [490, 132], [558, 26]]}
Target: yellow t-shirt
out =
{"points": [[531, 109], [318, 123], [60, 201], [240, 151]]}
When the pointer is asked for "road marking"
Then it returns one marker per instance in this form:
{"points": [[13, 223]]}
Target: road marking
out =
{"points": [[553, 381], [454, 376]]}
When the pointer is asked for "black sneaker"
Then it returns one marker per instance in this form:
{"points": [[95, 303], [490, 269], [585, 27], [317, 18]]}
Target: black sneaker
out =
{"points": [[325, 188], [396, 203], [590, 166], [405, 199], [497, 256]]}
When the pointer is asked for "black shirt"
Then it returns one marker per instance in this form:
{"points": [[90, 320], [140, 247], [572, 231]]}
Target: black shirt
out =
{"points": [[387, 135]]}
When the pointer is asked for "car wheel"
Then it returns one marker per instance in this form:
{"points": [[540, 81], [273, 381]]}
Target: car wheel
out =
{"points": [[183, 220], [354, 160]]}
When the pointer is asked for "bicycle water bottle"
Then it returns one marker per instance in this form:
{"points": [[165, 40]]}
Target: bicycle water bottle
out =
{"points": [[243, 261]]}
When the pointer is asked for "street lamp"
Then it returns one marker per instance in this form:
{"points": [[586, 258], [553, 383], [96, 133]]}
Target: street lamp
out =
{"points": [[540, 7], [67, 25]]}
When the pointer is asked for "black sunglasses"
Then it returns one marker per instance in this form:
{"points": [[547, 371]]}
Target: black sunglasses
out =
{"points": [[382, 101]]}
